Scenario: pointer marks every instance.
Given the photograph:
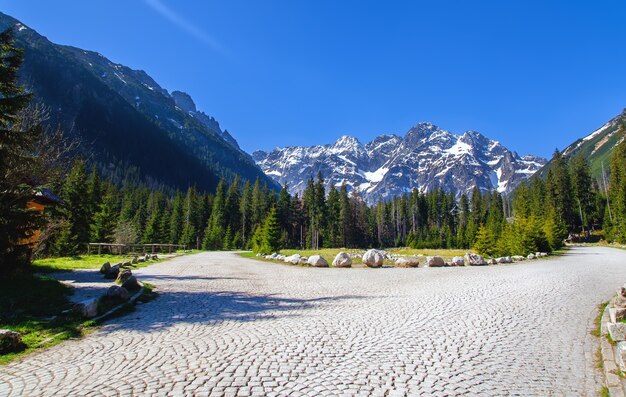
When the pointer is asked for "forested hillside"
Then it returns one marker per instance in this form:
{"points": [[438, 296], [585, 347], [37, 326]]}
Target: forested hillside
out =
{"points": [[124, 122]]}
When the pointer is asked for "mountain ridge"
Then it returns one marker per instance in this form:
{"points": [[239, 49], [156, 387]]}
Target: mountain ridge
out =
{"points": [[427, 157], [125, 119]]}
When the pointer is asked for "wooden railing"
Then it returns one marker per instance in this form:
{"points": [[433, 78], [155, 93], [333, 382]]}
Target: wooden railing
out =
{"points": [[133, 248]]}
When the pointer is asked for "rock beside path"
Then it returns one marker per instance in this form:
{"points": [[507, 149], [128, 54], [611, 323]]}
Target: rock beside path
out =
{"points": [[475, 260], [87, 308], [407, 261], [10, 342], [317, 261], [435, 261], [342, 260], [373, 258]]}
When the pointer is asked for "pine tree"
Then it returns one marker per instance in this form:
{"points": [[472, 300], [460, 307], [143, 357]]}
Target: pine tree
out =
{"points": [[75, 235], [104, 220], [271, 233], [214, 233], [176, 219], [94, 192], [484, 243], [227, 244], [582, 187], [17, 183], [284, 214]]}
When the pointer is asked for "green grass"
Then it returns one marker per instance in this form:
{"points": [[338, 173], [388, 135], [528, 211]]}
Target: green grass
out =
{"points": [[604, 392], [33, 307], [330, 253], [67, 263], [599, 361], [597, 331], [39, 309]]}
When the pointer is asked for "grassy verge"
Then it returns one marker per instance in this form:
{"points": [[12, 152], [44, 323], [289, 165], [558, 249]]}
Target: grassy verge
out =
{"points": [[39, 309], [597, 331], [69, 263], [32, 306]]}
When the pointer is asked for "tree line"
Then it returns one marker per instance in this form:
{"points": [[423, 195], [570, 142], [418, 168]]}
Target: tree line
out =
{"points": [[537, 216]]}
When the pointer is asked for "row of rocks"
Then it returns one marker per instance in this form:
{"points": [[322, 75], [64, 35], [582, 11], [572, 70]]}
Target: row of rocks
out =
{"points": [[375, 258], [125, 283], [617, 326]]}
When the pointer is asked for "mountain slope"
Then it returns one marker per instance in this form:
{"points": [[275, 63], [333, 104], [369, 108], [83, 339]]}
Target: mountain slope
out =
{"points": [[598, 146], [426, 158], [125, 120]]}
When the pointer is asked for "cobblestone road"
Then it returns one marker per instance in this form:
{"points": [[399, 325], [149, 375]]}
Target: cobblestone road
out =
{"points": [[230, 326]]}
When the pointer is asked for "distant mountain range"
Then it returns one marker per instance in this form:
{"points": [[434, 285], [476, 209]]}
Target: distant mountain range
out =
{"points": [[426, 158], [125, 120]]}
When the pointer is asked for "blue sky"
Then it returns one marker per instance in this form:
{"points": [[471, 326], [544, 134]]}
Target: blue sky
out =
{"points": [[534, 75]]}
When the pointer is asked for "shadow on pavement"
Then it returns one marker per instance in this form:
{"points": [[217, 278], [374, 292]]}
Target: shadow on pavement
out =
{"points": [[213, 307]]}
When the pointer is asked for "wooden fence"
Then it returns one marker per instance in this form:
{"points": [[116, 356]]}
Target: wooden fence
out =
{"points": [[121, 249]]}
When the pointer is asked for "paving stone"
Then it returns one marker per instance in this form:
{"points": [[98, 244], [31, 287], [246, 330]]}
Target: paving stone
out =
{"points": [[224, 325]]}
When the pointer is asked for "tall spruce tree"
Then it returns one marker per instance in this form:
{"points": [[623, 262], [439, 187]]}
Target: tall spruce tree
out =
{"points": [[17, 184], [75, 234]]}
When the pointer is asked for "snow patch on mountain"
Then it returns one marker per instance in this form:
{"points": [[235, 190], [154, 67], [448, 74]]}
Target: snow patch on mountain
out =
{"points": [[426, 158]]}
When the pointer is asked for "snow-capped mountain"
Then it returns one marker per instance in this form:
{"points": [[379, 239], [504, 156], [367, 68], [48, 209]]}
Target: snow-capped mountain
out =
{"points": [[426, 158]]}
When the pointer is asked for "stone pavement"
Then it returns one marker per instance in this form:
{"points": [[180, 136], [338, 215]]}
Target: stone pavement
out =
{"points": [[229, 326]]}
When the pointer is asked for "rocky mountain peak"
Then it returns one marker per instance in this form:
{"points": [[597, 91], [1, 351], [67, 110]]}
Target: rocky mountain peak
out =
{"points": [[184, 101], [428, 157]]}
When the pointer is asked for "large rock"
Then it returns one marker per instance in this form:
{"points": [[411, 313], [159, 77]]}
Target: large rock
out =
{"points": [[104, 269], [373, 258], [617, 314], [134, 260], [407, 261], [112, 272], [10, 342], [458, 261], [492, 261], [435, 261], [131, 284], [124, 275], [317, 261], [475, 260], [617, 331], [342, 260], [117, 292], [621, 356], [504, 259], [531, 256], [87, 308], [293, 259], [518, 258]]}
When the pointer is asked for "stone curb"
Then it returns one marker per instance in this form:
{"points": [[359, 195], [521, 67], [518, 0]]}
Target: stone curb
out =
{"points": [[112, 311], [613, 382]]}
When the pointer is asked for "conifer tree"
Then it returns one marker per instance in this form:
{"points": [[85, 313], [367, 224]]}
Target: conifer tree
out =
{"points": [[104, 220], [176, 219], [17, 184], [75, 235], [271, 233], [484, 243]]}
